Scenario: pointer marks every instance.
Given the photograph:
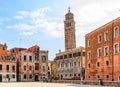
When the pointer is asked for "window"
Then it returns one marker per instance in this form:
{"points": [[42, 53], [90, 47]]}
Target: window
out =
{"points": [[116, 49], [88, 65], [36, 58], [98, 77], [74, 74], [89, 55], [24, 67], [106, 36], [13, 75], [43, 68], [36, 50], [0, 66], [65, 64], [7, 75], [30, 58], [30, 67], [79, 53], [70, 55], [70, 64], [99, 52], [98, 64], [65, 75], [68, 24], [107, 63], [106, 51], [43, 58], [24, 57], [78, 74], [78, 63], [74, 55], [107, 76], [65, 56], [116, 32], [88, 43], [89, 77], [24, 76], [7, 67], [3, 48], [70, 75], [74, 64], [99, 39], [30, 76], [13, 68]]}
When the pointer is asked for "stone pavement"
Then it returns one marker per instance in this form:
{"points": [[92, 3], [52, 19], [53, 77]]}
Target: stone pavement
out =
{"points": [[41, 84]]}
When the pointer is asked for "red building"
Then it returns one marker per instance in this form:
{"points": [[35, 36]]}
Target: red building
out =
{"points": [[103, 52]]}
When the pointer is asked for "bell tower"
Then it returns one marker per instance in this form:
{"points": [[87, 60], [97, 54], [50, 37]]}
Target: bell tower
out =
{"points": [[69, 31]]}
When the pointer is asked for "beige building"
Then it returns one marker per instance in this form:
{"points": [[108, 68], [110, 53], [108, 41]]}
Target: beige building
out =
{"points": [[44, 64], [70, 63]]}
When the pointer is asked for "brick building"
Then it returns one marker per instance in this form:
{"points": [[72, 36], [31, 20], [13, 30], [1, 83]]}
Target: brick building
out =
{"points": [[103, 52], [7, 65]]}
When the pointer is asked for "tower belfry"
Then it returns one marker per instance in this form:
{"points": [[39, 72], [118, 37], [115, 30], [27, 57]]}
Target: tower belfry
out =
{"points": [[69, 30]]}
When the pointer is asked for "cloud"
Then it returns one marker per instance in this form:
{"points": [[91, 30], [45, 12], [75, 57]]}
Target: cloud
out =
{"points": [[33, 22], [93, 14]]}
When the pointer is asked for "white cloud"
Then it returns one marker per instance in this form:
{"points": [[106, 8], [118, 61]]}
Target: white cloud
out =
{"points": [[93, 14], [18, 17], [36, 21]]}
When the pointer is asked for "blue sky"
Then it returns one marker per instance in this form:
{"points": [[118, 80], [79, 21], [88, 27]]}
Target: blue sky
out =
{"points": [[24, 23]]}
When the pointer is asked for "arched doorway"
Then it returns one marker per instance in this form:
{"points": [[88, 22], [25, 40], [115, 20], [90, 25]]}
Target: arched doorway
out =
{"points": [[61, 76]]}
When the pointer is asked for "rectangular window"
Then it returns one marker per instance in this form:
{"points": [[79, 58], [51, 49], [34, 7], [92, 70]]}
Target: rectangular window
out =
{"points": [[100, 39], [44, 58], [24, 76], [88, 65], [7, 75], [30, 67], [30, 76], [65, 56], [116, 32], [89, 55], [70, 55], [0, 66], [7, 67], [99, 52], [98, 64], [116, 48], [107, 63], [13, 68], [74, 64], [13, 75], [24, 57], [24, 67], [106, 51], [43, 68], [106, 36], [30, 58], [88, 43]]}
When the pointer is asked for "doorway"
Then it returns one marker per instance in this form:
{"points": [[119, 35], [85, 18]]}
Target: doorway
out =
{"points": [[36, 78], [0, 77], [61, 76]]}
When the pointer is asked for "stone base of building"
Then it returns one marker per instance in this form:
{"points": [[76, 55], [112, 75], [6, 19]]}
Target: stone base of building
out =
{"points": [[104, 83]]}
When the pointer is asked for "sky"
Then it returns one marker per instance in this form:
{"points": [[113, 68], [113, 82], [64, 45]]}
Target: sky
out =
{"points": [[25, 23]]}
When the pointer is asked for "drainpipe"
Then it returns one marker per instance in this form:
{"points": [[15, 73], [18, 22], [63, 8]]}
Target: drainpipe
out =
{"points": [[81, 71], [112, 52]]}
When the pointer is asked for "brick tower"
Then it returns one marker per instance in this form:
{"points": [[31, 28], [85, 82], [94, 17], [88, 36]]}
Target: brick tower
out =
{"points": [[69, 29]]}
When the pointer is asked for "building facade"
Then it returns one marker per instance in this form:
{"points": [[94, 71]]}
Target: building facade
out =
{"points": [[103, 52], [44, 64], [71, 64], [32, 63], [7, 65]]}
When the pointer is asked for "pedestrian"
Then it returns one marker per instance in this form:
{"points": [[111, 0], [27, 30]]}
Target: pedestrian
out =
{"points": [[8, 79]]}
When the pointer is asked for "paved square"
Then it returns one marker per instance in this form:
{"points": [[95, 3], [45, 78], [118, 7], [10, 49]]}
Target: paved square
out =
{"points": [[41, 84]]}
